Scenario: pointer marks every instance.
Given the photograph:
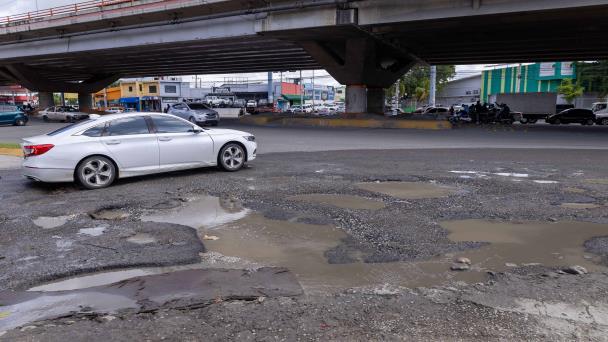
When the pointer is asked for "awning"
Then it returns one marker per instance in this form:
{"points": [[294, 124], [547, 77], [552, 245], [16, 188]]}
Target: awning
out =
{"points": [[129, 100]]}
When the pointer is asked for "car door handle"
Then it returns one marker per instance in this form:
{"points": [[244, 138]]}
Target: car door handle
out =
{"points": [[113, 142], [164, 139]]}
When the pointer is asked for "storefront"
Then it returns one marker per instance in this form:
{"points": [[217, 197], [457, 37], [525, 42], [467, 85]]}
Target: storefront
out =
{"points": [[130, 102], [150, 104]]}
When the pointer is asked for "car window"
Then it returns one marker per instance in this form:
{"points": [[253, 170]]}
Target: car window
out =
{"points": [[70, 126], [166, 124], [96, 131], [128, 126]]}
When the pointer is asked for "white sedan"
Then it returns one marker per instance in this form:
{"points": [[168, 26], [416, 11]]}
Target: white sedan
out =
{"points": [[97, 151]]}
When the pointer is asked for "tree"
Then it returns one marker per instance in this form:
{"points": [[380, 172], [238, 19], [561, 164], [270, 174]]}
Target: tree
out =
{"points": [[415, 84], [593, 76], [570, 90]]}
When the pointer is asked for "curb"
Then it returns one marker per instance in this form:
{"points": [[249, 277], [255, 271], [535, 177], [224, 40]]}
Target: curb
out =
{"points": [[16, 152], [347, 122]]}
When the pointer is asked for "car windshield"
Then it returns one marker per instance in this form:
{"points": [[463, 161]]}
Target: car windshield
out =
{"points": [[197, 106], [68, 127]]}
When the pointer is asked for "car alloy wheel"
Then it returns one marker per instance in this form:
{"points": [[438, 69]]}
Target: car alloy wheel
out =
{"points": [[590, 122], [96, 172], [557, 121], [20, 122], [232, 157], [605, 122]]}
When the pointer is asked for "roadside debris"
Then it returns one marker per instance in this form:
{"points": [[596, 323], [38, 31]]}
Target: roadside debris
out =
{"points": [[575, 269], [210, 237]]}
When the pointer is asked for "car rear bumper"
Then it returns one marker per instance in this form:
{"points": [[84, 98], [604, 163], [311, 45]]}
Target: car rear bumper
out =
{"points": [[48, 175]]}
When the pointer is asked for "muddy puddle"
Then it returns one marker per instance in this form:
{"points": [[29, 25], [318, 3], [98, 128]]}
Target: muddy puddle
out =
{"points": [[340, 201], [526, 243], [200, 212], [301, 248], [407, 190]]}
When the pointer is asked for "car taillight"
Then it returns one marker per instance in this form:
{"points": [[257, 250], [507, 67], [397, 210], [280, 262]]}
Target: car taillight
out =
{"points": [[36, 150]]}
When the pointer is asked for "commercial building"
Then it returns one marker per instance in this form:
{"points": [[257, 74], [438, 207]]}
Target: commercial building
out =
{"points": [[459, 91], [525, 78], [320, 93]]}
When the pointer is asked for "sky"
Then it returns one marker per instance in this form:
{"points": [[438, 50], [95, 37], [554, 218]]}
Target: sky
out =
{"points": [[10, 7]]}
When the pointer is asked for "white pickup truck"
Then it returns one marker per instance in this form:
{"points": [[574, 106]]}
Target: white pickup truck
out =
{"points": [[215, 101]]}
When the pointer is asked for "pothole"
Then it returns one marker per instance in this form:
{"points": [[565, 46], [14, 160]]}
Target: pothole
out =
{"points": [[408, 190], [525, 243], [49, 222], [340, 201], [110, 214], [95, 231], [201, 212]]}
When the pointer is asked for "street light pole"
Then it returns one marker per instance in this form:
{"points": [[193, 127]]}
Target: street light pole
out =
{"points": [[301, 92], [313, 90]]}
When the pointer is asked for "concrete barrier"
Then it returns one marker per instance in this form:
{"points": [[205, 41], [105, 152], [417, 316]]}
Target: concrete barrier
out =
{"points": [[228, 113], [346, 122]]}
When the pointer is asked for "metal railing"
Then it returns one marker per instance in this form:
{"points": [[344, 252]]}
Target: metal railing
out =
{"points": [[66, 10]]}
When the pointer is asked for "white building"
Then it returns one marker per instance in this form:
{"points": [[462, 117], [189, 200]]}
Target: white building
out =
{"points": [[462, 90]]}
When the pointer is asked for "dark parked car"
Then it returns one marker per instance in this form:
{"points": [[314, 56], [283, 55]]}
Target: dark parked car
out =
{"points": [[12, 115], [572, 115]]}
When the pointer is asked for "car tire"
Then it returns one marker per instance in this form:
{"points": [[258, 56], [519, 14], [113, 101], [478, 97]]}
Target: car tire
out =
{"points": [[45, 118], [532, 121], [589, 122], [232, 157], [96, 172], [214, 123], [19, 122], [523, 121], [604, 122], [557, 122]]}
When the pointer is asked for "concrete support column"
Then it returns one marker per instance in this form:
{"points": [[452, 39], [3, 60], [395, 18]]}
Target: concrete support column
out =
{"points": [[375, 100], [356, 99], [45, 100], [85, 102]]}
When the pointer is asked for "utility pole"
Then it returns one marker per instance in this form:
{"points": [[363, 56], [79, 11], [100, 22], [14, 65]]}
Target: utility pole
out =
{"points": [[270, 88], [397, 85], [301, 92], [433, 86], [313, 90], [105, 98]]}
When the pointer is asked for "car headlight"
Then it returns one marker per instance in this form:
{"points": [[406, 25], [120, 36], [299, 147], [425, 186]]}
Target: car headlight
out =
{"points": [[249, 137]]}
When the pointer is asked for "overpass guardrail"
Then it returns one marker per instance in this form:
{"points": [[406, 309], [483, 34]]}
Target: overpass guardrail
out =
{"points": [[66, 10]]}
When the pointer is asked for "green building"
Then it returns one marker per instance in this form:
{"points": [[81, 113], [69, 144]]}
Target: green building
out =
{"points": [[525, 78]]}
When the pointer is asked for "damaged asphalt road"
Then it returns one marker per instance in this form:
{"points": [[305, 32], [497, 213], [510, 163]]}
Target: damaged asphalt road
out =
{"points": [[50, 232]]}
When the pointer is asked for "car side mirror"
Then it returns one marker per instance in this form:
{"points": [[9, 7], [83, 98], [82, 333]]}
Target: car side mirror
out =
{"points": [[196, 130]]}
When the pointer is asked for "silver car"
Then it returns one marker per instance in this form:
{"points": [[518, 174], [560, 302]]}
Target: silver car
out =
{"points": [[197, 113], [62, 113]]}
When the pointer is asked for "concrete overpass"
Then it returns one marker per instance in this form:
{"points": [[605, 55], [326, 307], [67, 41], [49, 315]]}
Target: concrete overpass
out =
{"points": [[365, 44]]}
